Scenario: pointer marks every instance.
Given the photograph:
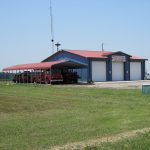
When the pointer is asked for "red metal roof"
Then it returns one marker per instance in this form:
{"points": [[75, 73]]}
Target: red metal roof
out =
{"points": [[93, 54], [136, 58], [90, 54], [83, 53], [42, 65], [98, 54]]}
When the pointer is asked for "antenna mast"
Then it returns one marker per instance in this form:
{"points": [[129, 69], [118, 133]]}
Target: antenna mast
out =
{"points": [[52, 30]]}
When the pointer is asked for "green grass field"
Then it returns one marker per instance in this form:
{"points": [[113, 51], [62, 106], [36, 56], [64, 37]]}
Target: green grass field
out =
{"points": [[39, 117]]}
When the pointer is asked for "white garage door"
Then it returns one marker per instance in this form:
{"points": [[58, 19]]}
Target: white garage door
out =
{"points": [[98, 71], [117, 71], [135, 70]]}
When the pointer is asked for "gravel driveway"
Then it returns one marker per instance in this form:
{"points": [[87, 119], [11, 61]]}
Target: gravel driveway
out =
{"points": [[113, 84], [122, 84]]}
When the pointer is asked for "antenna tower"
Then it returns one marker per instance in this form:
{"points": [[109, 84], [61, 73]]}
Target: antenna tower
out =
{"points": [[52, 29]]}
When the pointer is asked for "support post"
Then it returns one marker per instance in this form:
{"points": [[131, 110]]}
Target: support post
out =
{"points": [[27, 76], [19, 76], [35, 77], [31, 75], [5, 77], [81, 75], [40, 76], [45, 76], [9, 76], [16, 77], [50, 75], [23, 77]]}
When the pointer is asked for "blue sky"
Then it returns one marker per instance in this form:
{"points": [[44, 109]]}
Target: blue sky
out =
{"points": [[122, 25]]}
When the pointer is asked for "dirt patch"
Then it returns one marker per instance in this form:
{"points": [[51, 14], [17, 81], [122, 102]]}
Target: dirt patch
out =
{"points": [[114, 138]]}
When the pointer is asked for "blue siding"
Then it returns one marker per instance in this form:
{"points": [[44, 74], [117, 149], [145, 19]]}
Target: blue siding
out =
{"points": [[68, 56], [127, 69], [89, 71], [109, 69], [84, 73], [143, 70]]}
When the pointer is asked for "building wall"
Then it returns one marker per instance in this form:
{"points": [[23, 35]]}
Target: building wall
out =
{"points": [[126, 67], [87, 72], [69, 56]]}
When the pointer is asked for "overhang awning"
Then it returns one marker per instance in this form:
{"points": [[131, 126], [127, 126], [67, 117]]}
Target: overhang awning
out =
{"points": [[46, 65], [42, 65]]}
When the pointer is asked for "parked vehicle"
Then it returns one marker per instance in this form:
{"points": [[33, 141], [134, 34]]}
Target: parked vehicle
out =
{"points": [[47, 77], [22, 77], [70, 76], [38, 77]]}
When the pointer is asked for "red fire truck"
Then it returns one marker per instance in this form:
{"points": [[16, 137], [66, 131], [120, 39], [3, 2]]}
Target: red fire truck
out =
{"points": [[38, 76], [48, 76]]}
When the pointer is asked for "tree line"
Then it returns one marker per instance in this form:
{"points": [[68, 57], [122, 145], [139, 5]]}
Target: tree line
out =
{"points": [[6, 76]]}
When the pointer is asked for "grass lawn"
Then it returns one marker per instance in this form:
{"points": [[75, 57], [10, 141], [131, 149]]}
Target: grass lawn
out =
{"points": [[39, 117]]}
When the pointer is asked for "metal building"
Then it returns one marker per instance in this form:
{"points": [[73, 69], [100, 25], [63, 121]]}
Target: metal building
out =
{"points": [[105, 66], [93, 66]]}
